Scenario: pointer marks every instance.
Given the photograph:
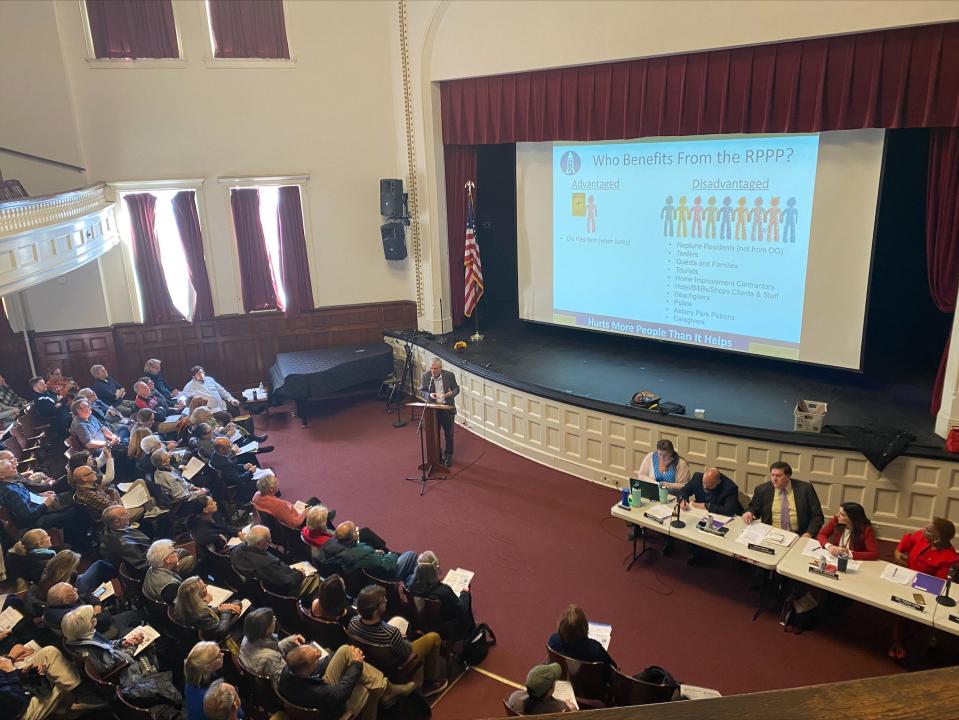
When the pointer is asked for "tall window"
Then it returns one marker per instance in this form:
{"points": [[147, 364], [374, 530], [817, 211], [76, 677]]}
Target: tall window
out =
{"points": [[271, 246], [132, 28], [248, 29]]}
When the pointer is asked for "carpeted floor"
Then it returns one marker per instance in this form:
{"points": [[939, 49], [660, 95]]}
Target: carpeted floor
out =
{"points": [[537, 540]]}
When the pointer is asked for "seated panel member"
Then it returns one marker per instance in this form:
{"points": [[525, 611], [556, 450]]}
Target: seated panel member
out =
{"points": [[929, 550], [711, 491], [665, 466], [786, 503], [849, 530]]}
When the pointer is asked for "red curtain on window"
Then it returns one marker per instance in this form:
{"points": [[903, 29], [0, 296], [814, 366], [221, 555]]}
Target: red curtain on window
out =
{"points": [[460, 167], [942, 231], [294, 263], [249, 29], [256, 278], [890, 78], [132, 28], [157, 305], [188, 223]]}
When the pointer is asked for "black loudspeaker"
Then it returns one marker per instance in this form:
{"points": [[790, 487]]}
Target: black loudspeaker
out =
{"points": [[394, 240], [391, 198]]}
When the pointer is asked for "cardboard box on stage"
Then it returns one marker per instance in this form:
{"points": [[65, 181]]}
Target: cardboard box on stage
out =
{"points": [[809, 415]]}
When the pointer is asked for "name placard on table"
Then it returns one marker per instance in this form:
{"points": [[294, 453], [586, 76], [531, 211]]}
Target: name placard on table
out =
{"points": [[816, 571], [761, 548], [907, 603]]}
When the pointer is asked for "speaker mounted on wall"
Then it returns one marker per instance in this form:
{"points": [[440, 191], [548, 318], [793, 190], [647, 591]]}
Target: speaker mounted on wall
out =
{"points": [[391, 199], [394, 240]]}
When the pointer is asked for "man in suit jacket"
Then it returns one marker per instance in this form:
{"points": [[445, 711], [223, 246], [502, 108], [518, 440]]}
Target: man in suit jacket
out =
{"points": [[781, 498], [439, 386], [711, 491]]}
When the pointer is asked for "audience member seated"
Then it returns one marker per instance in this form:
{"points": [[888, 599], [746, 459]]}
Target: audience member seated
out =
{"points": [[49, 407], [169, 478], [106, 414], [191, 608], [64, 597], [18, 692], [711, 491], [347, 551], [97, 496], [573, 641], [537, 698], [152, 370], [92, 434], [316, 531], [426, 583], [233, 473], [110, 391], [665, 466], [786, 503], [60, 385], [161, 581], [31, 554], [261, 652], [850, 532], [222, 702], [202, 440], [332, 602], [146, 399], [11, 404], [53, 511], [210, 530], [199, 671], [337, 683], [204, 386], [121, 543], [369, 627], [80, 636], [251, 560], [63, 567], [265, 500]]}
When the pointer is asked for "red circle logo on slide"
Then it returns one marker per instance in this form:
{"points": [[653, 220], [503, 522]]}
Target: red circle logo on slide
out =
{"points": [[569, 162]]}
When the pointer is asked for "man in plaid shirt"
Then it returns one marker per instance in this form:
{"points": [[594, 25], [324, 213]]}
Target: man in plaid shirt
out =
{"points": [[10, 402]]}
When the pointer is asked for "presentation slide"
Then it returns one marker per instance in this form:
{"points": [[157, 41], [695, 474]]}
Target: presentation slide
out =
{"points": [[725, 242]]}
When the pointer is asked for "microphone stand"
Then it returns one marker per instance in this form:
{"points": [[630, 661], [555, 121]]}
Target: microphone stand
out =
{"points": [[424, 477], [677, 523], [943, 597]]}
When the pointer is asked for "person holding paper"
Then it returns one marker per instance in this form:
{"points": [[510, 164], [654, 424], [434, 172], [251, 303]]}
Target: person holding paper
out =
{"points": [[64, 597], [849, 531], [456, 609], [665, 466], [251, 560], [47, 510], [210, 530], [191, 608], [538, 698], [20, 703], [232, 472], [439, 386], [265, 500], [170, 479], [786, 503], [63, 567], [711, 491], [261, 651], [96, 496], [572, 638]]}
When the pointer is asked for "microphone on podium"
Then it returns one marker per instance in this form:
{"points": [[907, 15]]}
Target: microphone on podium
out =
{"points": [[943, 597]]}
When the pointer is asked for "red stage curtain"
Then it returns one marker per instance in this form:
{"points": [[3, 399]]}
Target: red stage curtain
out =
{"points": [[460, 167], [157, 305], [256, 279], [249, 28], [132, 28], [188, 223], [942, 231], [294, 263], [891, 78]]}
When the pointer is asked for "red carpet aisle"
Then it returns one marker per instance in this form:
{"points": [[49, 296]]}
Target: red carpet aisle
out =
{"points": [[539, 539]]}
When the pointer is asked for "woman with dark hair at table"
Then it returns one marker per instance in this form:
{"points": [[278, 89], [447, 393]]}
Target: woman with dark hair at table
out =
{"points": [[572, 638], [849, 531], [665, 466]]}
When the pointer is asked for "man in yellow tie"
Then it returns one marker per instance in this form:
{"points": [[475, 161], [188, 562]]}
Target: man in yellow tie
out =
{"points": [[786, 503]]}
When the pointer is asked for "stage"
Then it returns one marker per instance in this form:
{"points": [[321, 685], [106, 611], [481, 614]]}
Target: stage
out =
{"points": [[744, 397]]}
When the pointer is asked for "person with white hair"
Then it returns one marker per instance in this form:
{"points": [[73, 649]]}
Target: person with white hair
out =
{"points": [[251, 560], [266, 500], [166, 476], [439, 386], [221, 702], [456, 610], [64, 597], [110, 391], [121, 543], [106, 414], [162, 581]]}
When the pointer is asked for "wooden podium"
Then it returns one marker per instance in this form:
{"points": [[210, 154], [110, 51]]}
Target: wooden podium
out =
{"points": [[430, 454]]}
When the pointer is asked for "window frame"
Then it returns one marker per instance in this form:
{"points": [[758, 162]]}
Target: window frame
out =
{"points": [[227, 184], [212, 62], [131, 63], [126, 187]]}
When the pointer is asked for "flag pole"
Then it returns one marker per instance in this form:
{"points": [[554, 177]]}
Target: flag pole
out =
{"points": [[476, 336]]}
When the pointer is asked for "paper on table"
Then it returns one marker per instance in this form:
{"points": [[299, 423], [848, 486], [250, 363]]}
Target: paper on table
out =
{"points": [[23, 663], [784, 538], [136, 497], [692, 692], [219, 595], [193, 467], [660, 512], [9, 617], [400, 623], [753, 533], [563, 690], [305, 567], [459, 579], [601, 633], [249, 447], [813, 549], [898, 575], [149, 635]]}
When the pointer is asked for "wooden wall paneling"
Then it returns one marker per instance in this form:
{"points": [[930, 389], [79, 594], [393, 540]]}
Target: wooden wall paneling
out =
{"points": [[75, 351], [15, 364]]}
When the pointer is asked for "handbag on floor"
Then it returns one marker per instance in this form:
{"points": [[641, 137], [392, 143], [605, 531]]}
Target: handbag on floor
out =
{"points": [[478, 644]]}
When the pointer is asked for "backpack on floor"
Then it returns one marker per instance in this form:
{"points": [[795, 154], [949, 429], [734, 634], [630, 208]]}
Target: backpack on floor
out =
{"points": [[478, 644], [656, 675]]}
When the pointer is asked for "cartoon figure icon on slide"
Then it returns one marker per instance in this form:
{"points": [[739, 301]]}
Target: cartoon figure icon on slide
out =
{"points": [[590, 215], [682, 218], [726, 213], [742, 215], [667, 214], [774, 216], [790, 215], [757, 215], [709, 214], [696, 214]]}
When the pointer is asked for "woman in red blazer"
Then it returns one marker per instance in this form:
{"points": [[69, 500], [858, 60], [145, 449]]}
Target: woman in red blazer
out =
{"points": [[850, 530]]}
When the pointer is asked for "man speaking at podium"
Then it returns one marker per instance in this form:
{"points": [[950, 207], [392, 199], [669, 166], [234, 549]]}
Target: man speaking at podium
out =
{"points": [[439, 386]]}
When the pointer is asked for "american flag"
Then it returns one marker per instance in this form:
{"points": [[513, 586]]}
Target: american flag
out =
{"points": [[471, 258]]}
